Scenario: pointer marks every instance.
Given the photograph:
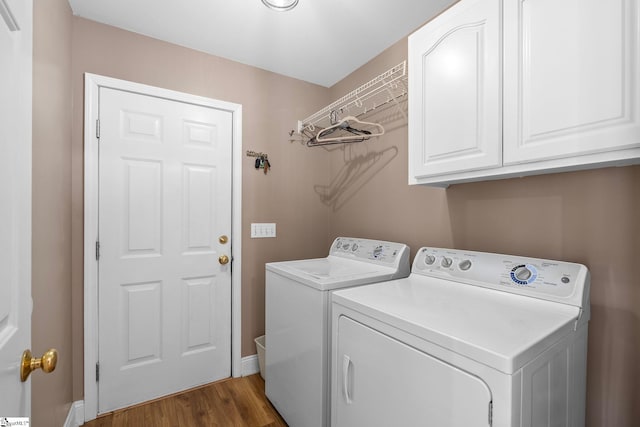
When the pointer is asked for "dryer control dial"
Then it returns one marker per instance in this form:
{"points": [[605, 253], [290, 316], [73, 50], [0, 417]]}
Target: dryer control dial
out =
{"points": [[464, 265], [446, 262], [524, 274], [429, 259]]}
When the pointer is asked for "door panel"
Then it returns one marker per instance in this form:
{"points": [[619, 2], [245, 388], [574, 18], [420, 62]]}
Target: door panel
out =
{"points": [[383, 382], [199, 187], [142, 210], [165, 197], [15, 208]]}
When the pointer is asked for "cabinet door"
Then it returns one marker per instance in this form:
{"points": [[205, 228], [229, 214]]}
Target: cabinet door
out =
{"points": [[379, 381], [455, 98], [571, 83]]}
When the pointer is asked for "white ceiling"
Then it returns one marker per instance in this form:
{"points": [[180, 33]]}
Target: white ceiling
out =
{"points": [[320, 41]]}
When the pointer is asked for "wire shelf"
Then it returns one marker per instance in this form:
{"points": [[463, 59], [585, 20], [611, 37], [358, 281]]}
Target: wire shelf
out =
{"points": [[388, 87]]}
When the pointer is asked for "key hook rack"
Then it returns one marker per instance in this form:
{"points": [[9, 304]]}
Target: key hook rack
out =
{"points": [[262, 160], [390, 87]]}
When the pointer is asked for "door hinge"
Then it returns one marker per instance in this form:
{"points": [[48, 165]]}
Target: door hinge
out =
{"points": [[490, 413], [97, 251], [97, 372], [98, 128]]}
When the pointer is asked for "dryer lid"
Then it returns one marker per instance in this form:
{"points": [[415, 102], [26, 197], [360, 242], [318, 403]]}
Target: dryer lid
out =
{"points": [[499, 329]]}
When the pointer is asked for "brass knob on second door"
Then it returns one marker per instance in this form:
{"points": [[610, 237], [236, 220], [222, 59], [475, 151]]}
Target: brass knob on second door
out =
{"points": [[29, 364], [223, 259]]}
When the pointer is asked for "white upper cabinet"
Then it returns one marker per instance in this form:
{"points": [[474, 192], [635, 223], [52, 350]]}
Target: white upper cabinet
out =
{"points": [[571, 78], [567, 78], [455, 102]]}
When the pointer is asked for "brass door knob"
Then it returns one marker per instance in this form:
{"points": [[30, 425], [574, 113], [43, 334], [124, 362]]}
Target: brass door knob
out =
{"points": [[29, 364], [223, 239], [223, 259]]}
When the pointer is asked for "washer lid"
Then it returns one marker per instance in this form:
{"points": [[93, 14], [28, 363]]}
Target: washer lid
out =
{"points": [[498, 329], [334, 272]]}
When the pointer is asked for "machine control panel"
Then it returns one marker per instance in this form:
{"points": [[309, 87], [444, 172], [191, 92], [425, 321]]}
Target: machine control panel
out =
{"points": [[378, 251], [552, 280]]}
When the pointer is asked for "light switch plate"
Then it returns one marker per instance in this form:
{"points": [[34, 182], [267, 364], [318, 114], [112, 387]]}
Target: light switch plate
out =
{"points": [[260, 230]]}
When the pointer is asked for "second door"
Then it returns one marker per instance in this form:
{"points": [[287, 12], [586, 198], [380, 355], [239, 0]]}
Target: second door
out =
{"points": [[164, 284]]}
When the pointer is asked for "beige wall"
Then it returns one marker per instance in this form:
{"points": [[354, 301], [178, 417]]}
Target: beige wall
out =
{"points": [[51, 247], [589, 217], [315, 195]]}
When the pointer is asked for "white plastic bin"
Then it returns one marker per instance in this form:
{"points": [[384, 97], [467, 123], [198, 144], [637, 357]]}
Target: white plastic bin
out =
{"points": [[260, 345]]}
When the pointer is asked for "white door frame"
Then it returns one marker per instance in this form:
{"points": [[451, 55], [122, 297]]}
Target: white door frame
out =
{"points": [[92, 84]]}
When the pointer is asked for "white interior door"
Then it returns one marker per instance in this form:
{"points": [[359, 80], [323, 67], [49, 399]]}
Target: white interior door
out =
{"points": [[164, 203], [15, 203]]}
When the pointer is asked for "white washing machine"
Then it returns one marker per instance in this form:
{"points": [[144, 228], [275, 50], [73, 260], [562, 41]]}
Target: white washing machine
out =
{"points": [[468, 339], [298, 321]]}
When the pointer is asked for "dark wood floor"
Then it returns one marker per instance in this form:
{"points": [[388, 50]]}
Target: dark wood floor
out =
{"points": [[232, 402]]}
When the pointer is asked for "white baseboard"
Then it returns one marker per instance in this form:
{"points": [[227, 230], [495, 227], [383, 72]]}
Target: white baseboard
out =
{"points": [[75, 418], [250, 365]]}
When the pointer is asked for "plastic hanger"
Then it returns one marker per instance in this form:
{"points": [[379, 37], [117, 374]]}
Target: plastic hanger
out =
{"points": [[353, 133]]}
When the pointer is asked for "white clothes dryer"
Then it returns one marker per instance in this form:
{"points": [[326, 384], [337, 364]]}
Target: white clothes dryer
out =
{"points": [[298, 321], [468, 339]]}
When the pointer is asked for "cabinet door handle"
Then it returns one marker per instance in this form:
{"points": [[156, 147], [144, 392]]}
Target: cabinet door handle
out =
{"points": [[346, 371]]}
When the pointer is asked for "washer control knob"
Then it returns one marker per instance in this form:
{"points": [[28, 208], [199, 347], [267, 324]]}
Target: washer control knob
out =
{"points": [[464, 265], [522, 273], [446, 262], [429, 259], [377, 252]]}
